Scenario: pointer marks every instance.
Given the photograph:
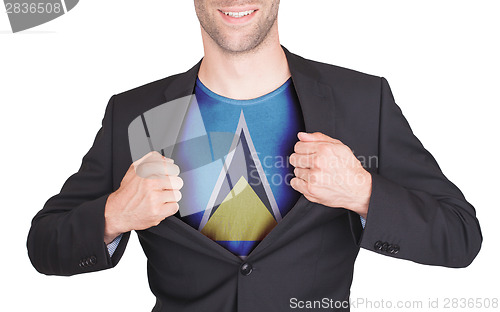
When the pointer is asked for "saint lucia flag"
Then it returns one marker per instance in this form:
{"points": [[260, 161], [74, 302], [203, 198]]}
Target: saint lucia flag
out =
{"points": [[242, 209]]}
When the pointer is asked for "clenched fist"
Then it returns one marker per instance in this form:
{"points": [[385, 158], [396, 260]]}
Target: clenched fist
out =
{"points": [[148, 193], [327, 172]]}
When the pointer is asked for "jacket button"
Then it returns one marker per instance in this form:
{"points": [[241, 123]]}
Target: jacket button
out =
{"points": [[396, 249], [83, 263], [93, 260], [378, 245], [384, 246], [390, 249], [246, 269]]}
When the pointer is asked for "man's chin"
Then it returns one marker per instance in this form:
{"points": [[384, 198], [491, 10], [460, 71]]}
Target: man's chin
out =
{"points": [[239, 45]]}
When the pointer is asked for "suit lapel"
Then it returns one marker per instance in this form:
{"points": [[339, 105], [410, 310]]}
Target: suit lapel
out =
{"points": [[316, 98], [318, 107], [183, 84]]}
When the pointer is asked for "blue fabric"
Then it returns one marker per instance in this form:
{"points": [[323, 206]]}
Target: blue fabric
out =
{"points": [[240, 248], [363, 221], [112, 246], [273, 121]]}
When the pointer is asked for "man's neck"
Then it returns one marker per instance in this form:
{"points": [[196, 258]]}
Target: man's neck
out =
{"points": [[244, 76]]}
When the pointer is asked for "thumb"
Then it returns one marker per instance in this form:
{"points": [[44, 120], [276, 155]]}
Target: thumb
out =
{"points": [[152, 156], [144, 157], [316, 137]]}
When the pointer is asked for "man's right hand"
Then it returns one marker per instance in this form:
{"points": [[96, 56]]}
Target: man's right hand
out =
{"points": [[148, 193]]}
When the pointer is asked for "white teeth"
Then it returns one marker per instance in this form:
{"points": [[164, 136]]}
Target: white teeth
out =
{"points": [[239, 14]]}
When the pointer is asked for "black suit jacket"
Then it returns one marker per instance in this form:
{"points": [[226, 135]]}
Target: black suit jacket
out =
{"points": [[415, 212]]}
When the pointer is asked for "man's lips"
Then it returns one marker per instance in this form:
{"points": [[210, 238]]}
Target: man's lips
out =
{"points": [[237, 15]]}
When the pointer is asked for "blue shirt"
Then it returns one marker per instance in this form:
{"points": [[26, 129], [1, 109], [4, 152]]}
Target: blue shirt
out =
{"points": [[237, 180]]}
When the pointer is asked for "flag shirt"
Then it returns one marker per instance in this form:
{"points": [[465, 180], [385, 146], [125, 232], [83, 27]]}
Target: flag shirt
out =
{"points": [[233, 157]]}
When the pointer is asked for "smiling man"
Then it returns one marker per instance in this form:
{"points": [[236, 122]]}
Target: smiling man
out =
{"points": [[223, 227]]}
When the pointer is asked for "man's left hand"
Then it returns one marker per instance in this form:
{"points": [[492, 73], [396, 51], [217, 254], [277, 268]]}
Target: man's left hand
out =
{"points": [[327, 172]]}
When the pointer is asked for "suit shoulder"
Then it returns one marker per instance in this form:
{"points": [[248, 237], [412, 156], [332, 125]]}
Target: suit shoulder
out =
{"points": [[152, 90], [338, 74], [130, 104]]}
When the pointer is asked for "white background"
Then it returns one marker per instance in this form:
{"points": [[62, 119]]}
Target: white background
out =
{"points": [[441, 59]]}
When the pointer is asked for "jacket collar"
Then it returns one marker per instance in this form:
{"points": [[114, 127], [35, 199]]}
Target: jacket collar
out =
{"points": [[315, 96]]}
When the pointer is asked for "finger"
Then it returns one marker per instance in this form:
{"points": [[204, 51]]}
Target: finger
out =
{"points": [[170, 208], [170, 196], [302, 161], [306, 147], [302, 173], [168, 160], [157, 157], [301, 186], [316, 137], [153, 154], [150, 170], [157, 169], [133, 167], [298, 184], [172, 183], [172, 169], [311, 176]]}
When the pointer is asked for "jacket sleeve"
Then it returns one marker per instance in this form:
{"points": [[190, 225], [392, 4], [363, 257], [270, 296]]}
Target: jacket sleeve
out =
{"points": [[415, 212], [67, 235]]}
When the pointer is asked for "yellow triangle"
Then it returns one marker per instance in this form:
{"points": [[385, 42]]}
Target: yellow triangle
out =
{"points": [[240, 217]]}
